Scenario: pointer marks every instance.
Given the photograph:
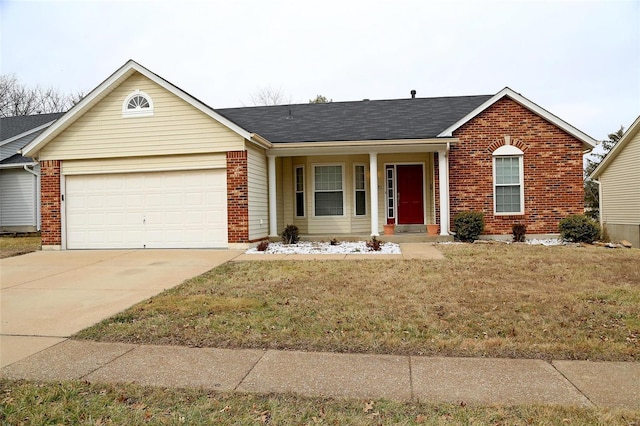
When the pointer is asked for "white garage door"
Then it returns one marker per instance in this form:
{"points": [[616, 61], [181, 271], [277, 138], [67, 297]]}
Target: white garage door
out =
{"points": [[147, 210]]}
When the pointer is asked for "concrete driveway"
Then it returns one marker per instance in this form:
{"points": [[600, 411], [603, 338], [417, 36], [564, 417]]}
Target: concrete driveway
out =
{"points": [[47, 296]]}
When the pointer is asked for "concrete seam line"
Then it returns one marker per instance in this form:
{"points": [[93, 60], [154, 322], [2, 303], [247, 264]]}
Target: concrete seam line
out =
{"points": [[109, 362], [250, 370], [572, 384]]}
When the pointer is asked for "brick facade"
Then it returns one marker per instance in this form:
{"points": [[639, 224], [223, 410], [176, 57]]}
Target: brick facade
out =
{"points": [[237, 197], [553, 186], [50, 203]]}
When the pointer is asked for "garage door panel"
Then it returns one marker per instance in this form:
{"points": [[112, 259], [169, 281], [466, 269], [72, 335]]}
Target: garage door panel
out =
{"points": [[155, 210]]}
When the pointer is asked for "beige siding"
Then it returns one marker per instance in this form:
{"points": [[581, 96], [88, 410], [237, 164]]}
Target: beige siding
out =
{"points": [[258, 193], [176, 127], [144, 164], [620, 186]]}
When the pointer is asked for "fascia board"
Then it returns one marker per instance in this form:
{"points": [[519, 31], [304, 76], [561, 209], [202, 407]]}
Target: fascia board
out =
{"points": [[587, 140], [617, 148]]}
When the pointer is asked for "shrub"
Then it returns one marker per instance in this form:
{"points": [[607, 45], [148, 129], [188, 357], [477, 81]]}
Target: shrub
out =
{"points": [[290, 235], [334, 242], [519, 231], [263, 245], [469, 225], [579, 229], [374, 244]]}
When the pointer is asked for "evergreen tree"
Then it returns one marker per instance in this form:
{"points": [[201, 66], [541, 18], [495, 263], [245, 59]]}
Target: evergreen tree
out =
{"points": [[591, 188]]}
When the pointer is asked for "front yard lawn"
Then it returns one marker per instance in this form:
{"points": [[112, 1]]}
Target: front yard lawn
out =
{"points": [[15, 246], [516, 301], [81, 403]]}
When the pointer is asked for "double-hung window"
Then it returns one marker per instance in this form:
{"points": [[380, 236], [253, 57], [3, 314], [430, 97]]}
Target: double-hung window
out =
{"points": [[359, 185], [508, 177], [328, 190]]}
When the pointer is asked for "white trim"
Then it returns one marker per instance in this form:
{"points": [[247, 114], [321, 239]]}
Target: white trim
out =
{"points": [[508, 151], [616, 149], [443, 183], [355, 190], [411, 146], [373, 189], [141, 112], [295, 191], [27, 133], [313, 184], [392, 167], [18, 165], [520, 158], [106, 87], [63, 211], [587, 141]]}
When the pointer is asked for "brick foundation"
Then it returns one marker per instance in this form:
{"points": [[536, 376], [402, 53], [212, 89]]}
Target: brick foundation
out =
{"points": [[237, 197], [553, 186], [50, 203]]}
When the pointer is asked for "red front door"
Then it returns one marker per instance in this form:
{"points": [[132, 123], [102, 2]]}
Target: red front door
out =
{"points": [[410, 194]]}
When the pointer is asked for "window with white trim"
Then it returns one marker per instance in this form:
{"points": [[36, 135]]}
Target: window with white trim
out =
{"points": [[360, 190], [137, 104], [299, 188], [508, 178], [328, 195]]}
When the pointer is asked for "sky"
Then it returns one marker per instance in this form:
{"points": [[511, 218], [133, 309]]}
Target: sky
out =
{"points": [[580, 60]]}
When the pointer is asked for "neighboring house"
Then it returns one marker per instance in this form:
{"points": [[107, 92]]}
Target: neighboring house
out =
{"points": [[19, 176], [619, 177], [141, 163]]}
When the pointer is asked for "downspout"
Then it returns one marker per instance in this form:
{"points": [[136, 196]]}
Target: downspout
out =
{"points": [[36, 205]]}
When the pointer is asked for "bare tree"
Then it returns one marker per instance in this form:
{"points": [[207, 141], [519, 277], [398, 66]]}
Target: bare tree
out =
{"points": [[18, 99], [269, 96]]}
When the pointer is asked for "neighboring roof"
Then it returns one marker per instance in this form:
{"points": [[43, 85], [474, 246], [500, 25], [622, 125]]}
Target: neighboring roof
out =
{"points": [[419, 118], [10, 127], [16, 160], [113, 81], [617, 148], [587, 141]]}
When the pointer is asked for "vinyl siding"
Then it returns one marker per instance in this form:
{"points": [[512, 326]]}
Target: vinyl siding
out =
{"points": [[176, 127], [620, 186], [258, 193], [144, 164], [17, 198]]}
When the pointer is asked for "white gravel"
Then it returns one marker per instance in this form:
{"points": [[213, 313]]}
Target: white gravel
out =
{"points": [[343, 247]]}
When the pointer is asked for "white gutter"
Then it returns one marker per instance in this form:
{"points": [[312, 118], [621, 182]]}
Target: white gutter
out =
{"points": [[28, 170]]}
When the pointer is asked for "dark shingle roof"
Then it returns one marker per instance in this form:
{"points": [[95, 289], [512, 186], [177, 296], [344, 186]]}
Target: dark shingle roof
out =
{"points": [[16, 159], [13, 126], [361, 120]]}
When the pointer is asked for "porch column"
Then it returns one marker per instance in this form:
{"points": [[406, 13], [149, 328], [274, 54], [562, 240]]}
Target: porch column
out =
{"points": [[273, 216], [443, 175], [373, 185]]}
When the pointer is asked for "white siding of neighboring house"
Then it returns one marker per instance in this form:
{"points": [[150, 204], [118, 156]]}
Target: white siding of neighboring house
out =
{"points": [[258, 193], [175, 128], [18, 193]]}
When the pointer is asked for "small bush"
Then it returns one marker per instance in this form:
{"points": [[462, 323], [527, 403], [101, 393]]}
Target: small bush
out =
{"points": [[374, 244], [519, 231], [469, 226], [290, 235], [334, 242], [579, 229], [263, 245]]}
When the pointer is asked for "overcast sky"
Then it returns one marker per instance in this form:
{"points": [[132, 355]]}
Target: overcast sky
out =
{"points": [[578, 59]]}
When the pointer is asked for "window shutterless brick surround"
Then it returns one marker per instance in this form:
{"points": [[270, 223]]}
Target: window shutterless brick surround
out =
{"points": [[51, 230], [552, 169], [237, 197]]}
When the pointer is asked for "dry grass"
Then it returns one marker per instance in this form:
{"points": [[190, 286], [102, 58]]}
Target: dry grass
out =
{"points": [[497, 300], [15, 246], [81, 403]]}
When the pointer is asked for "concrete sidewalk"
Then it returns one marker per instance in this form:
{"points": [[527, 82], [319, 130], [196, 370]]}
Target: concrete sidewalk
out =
{"points": [[403, 378]]}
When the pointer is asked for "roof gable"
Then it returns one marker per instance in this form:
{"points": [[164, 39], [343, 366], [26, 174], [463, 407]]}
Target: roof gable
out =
{"points": [[587, 141], [113, 81], [631, 132]]}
